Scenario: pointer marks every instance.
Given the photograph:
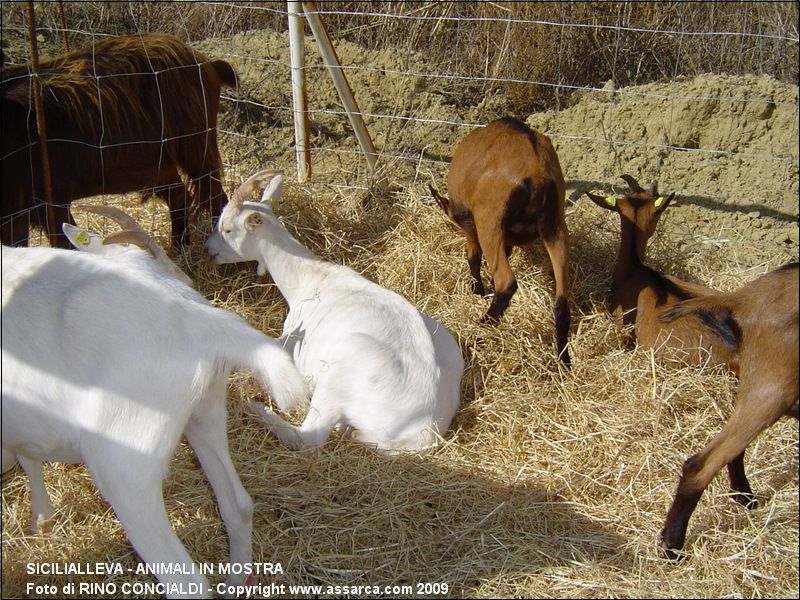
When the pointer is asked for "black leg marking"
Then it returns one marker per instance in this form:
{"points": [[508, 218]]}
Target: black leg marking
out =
{"points": [[500, 303], [743, 494], [561, 314]]}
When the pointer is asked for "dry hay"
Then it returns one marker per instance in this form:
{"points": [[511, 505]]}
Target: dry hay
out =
{"points": [[551, 483]]}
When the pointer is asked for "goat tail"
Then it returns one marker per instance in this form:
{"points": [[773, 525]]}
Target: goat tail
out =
{"points": [[712, 312], [278, 373], [442, 201], [273, 365]]}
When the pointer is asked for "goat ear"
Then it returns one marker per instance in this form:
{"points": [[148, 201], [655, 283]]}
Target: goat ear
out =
{"points": [[253, 221], [273, 191], [82, 239], [662, 202], [609, 202]]}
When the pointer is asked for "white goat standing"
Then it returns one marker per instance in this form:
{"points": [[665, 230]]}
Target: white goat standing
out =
{"points": [[107, 360], [375, 364]]}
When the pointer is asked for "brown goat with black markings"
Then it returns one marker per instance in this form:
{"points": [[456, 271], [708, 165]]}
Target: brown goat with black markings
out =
{"points": [[131, 113], [759, 322], [691, 323], [506, 189], [639, 294]]}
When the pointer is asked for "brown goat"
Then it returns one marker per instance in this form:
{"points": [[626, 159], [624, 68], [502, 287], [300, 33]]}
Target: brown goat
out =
{"points": [[652, 303], [639, 294], [759, 322], [506, 189], [132, 113]]}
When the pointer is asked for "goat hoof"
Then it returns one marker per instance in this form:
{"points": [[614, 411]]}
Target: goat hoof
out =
{"points": [[42, 525], [672, 554], [749, 501], [488, 319], [672, 544]]}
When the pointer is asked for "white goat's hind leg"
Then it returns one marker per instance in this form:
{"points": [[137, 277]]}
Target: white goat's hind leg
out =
{"points": [[207, 434], [134, 492], [313, 433], [41, 508]]}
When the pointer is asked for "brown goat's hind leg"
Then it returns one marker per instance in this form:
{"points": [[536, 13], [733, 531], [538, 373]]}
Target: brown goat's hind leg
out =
{"points": [[505, 284], [171, 190], [474, 256], [561, 316], [756, 409], [673, 534], [177, 201], [743, 493], [500, 303], [556, 243]]}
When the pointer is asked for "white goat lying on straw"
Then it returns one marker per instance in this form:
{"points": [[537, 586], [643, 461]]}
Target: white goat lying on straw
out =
{"points": [[107, 359], [375, 364]]}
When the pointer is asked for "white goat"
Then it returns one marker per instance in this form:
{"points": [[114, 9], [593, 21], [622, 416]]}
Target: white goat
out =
{"points": [[107, 360], [375, 364]]}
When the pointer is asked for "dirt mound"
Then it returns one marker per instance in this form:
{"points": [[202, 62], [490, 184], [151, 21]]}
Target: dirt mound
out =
{"points": [[743, 130], [727, 145]]}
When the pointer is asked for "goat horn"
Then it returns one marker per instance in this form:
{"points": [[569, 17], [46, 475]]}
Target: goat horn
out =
{"points": [[112, 212], [632, 183], [654, 188], [251, 185], [137, 237]]}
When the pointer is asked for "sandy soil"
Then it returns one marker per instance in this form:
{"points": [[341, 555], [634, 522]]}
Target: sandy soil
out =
{"points": [[728, 146]]}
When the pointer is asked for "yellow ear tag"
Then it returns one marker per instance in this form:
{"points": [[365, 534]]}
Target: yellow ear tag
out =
{"points": [[659, 201], [82, 238], [273, 202], [611, 201]]}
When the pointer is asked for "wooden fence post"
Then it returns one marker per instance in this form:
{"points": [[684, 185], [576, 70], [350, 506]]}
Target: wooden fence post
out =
{"points": [[299, 95], [339, 80]]}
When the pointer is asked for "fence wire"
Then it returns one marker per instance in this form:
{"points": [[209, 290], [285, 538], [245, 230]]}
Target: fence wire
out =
{"points": [[482, 57]]}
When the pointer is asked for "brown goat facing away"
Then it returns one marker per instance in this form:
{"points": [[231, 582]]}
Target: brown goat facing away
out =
{"points": [[639, 294], [759, 322], [506, 189], [131, 113]]}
